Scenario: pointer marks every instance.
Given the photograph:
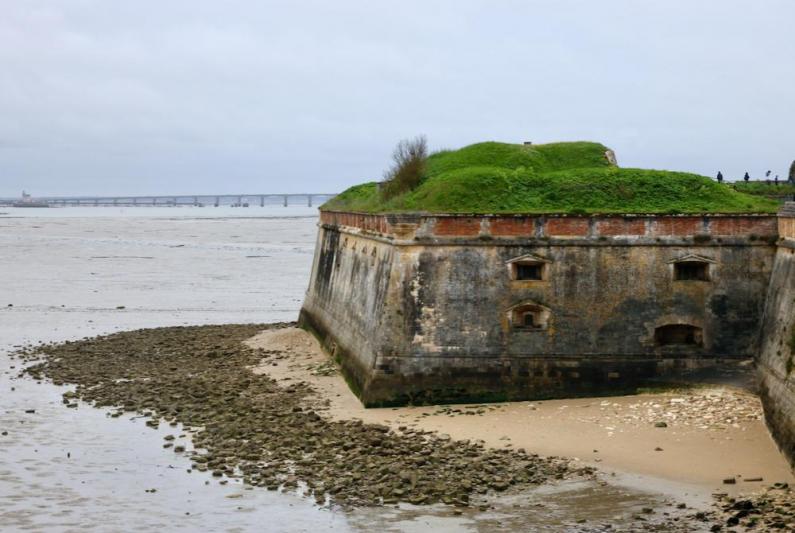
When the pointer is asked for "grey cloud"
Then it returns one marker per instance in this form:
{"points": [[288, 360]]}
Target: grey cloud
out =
{"points": [[159, 97]]}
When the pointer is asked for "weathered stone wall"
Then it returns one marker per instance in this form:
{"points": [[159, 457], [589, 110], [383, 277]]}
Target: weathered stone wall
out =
{"points": [[347, 298], [775, 363], [420, 307]]}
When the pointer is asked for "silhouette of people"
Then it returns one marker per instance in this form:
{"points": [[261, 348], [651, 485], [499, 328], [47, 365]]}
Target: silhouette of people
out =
{"points": [[720, 177], [746, 177]]}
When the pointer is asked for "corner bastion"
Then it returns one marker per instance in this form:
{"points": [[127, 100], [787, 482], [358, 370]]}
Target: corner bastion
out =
{"points": [[776, 363], [437, 308]]}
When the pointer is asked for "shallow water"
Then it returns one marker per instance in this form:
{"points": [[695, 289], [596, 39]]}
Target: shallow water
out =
{"points": [[76, 469], [62, 469]]}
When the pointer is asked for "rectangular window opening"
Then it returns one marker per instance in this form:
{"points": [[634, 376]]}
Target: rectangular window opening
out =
{"points": [[530, 272], [691, 271]]}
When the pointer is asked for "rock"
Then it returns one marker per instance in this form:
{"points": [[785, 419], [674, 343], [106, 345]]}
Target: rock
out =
{"points": [[660, 425], [255, 429], [729, 481]]}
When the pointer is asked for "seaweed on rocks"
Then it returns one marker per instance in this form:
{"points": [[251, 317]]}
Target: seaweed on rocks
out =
{"points": [[247, 426]]}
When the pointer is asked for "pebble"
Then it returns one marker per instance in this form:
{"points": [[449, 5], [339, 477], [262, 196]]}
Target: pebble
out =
{"points": [[200, 377]]}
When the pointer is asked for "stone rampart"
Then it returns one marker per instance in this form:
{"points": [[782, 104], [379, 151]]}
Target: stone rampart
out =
{"points": [[775, 363], [456, 307]]}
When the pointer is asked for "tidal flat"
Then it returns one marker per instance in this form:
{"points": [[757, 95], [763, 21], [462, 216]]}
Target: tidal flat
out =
{"points": [[72, 465]]}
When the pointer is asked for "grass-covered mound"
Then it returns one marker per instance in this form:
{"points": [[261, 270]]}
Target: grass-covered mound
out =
{"points": [[761, 188], [572, 178]]}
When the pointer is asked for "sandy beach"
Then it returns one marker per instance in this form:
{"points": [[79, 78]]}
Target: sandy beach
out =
{"points": [[711, 433]]}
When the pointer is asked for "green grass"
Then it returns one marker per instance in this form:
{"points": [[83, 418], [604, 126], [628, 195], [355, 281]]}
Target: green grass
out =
{"points": [[763, 189], [570, 178]]}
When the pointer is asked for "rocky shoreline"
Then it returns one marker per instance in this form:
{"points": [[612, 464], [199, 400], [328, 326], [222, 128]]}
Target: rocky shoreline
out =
{"points": [[246, 426]]}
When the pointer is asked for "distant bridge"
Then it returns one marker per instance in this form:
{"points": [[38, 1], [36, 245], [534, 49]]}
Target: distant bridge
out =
{"points": [[235, 200]]}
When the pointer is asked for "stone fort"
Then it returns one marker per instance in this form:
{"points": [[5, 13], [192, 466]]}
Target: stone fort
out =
{"points": [[421, 308]]}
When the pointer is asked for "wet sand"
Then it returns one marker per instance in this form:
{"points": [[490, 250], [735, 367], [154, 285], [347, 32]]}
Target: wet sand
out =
{"points": [[712, 433], [244, 425]]}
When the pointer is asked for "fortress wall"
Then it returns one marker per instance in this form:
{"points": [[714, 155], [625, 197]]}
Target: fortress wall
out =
{"points": [[776, 360], [346, 299], [431, 315]]}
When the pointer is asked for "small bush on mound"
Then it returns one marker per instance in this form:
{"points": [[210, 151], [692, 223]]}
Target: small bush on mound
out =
{"points": [[407, 172], [569, 178]]}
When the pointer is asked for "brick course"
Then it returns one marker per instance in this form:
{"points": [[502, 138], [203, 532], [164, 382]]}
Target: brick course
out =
{"points": [[679, 226], [575, 227], [457, 226], [742, 226], [512, 227], [621, 226], [604, 226]]}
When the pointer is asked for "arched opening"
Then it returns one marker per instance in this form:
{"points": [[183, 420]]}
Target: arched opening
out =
{"points": [[530, 317], [678, 335]]}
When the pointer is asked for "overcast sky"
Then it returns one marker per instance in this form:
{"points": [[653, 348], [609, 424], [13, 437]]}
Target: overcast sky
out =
{"points": [[193, 96]]}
